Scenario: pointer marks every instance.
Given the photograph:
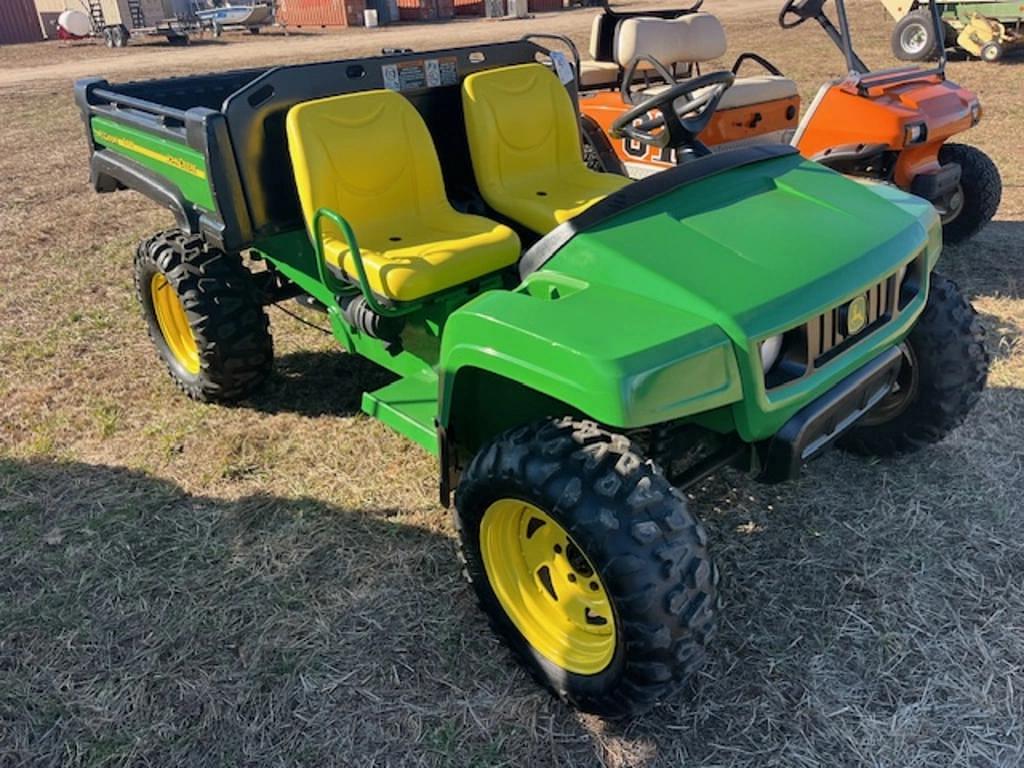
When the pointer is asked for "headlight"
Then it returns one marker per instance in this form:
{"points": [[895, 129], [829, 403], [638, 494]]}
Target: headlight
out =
{"points": [[770, 349], [975, 112], [915, 133]]}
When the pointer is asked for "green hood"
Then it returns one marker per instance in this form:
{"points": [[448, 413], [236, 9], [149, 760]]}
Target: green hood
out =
{"points": [[654, 313], [755, 249]]}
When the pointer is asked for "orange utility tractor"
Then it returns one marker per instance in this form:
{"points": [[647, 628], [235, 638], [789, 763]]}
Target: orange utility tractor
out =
{"points": [[891, 125]]}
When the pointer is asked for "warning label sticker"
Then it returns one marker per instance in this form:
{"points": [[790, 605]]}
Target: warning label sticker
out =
{"points": [[420, 73]]}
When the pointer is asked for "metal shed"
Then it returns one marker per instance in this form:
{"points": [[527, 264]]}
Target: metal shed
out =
{"points": [[19, 22]]}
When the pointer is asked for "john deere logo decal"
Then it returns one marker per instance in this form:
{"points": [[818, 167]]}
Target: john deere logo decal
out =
{"points": [[856, 316]]}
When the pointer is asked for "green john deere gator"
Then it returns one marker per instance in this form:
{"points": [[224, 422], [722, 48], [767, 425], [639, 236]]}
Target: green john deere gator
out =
{"points": [[574, 347]]}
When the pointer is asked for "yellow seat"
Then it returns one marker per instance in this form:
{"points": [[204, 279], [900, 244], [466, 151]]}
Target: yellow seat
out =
{"points": [[524, 139], [369, 157]]}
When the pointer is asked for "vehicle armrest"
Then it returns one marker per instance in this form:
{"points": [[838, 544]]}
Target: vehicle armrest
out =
{"points": [[772, 69], [321, 261]]}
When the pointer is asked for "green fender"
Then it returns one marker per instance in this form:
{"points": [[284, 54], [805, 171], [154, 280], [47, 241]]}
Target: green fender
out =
{"points": [[560, 343]]}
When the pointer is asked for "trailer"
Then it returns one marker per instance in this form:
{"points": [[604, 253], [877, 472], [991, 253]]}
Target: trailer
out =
{"points": [[985, 29], [117, 21]]}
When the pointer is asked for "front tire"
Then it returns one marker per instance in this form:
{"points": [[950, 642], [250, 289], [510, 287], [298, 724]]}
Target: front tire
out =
{"points": [[991, 52], [981, 191], [204, 315], [943, 375], [587, 562], [914, 38]]}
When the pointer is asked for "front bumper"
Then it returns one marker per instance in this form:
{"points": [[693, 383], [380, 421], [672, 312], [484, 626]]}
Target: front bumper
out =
{"points": [[819, 424]]}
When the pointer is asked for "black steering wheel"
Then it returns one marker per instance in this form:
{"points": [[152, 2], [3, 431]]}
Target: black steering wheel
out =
{"points": [[681, 124], [802, 10]]}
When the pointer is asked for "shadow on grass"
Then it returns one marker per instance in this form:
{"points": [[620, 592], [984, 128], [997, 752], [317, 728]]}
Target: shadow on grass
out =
{"points": [[991, 263], [140, 624], [319, 384]]}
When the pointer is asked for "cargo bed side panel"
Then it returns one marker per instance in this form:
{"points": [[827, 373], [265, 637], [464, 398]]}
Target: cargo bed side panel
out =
{"points": [[179, 164]]}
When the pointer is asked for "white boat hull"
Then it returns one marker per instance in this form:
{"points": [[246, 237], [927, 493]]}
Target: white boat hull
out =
{"points": [[236, 15]]}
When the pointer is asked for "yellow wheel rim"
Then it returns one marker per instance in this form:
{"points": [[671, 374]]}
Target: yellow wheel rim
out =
{"points": [[170, 316], [547, 586]]}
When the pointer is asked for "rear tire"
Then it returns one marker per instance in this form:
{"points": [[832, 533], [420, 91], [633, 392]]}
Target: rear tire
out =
{"points": [[914, 38], [211, 331], [632, 531], [947, 349], [981, 189]]}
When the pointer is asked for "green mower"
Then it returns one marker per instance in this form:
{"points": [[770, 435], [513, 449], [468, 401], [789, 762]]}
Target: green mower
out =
{"points": [[575, 348]]}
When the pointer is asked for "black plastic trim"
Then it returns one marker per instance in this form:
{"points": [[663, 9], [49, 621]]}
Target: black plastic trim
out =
{"points": [[936, 186], [819, 424], [642, 191], [110, 171], [748, 56], [208, 130], [598, 139]]}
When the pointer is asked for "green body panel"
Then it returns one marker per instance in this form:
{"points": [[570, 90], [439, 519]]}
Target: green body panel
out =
{"points": [[180, 164], [1001, 11], [655, 314], [652, 316], [408, 406]]}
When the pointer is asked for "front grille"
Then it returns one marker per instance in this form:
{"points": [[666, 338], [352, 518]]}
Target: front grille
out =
{"points": [[826, 333], [813, 344]]}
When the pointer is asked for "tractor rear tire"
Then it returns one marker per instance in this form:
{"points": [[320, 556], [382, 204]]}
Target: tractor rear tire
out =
{"points": [[205, 316], [942, 379], [914, 39], [624, 583], [981, 189]]}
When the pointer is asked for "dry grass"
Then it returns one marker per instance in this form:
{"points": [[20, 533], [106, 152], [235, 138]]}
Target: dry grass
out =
{"points": [[274, 583]]}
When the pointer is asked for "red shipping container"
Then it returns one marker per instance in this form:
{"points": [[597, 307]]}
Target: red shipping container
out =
{"points": [[469, 7], [425, 10], [19, 22], [320, 13], [541, 6]]}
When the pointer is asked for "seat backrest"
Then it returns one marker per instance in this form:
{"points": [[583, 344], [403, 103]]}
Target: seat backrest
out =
{"points": [[521, 123], [597, 36], [695, 37], [368, 156]]}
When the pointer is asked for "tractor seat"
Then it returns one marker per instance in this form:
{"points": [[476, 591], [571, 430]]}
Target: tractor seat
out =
{"points": [[694, 39], [524, 140], [369, 157]]}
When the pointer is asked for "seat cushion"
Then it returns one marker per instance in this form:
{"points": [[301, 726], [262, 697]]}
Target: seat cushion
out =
{"points": [[543, 202], [524, 140], [369, 157], [746, 91], [413, 258], [597, 74]]}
